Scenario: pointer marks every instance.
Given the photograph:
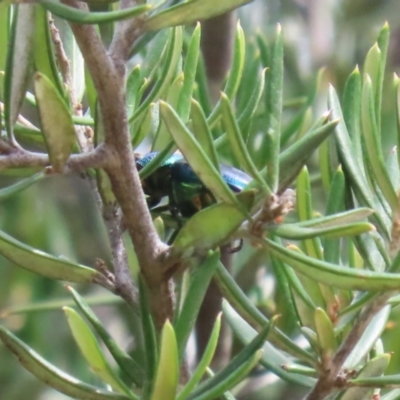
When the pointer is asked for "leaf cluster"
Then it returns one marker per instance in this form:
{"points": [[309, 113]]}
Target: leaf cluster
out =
{"points": [[336, 272]]}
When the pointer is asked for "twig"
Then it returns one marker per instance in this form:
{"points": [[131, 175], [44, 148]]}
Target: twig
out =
{"points": [[108, 75], [6, 147], [126, 32], [62, 59], [19, 158], [65, 68], [22, 120], [331, 379], [123, 280]]}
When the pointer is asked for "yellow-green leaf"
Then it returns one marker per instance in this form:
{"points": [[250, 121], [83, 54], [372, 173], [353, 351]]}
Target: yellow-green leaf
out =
{"points": [[56, 121], [168, 367]]}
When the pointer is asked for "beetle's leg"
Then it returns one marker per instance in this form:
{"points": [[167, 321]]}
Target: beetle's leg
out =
{"points": [[160, 209], [236, 248], [173, 236], [152, 201]]}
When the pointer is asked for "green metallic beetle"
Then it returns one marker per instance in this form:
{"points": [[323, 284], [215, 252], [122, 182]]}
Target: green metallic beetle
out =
{"points": [[186, 193]]}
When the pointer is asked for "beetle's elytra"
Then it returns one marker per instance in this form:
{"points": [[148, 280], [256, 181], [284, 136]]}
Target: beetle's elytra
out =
{"points": [[186, 193]]}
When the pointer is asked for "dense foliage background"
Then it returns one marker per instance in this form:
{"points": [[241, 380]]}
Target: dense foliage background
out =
{"points": [[58, 214]]}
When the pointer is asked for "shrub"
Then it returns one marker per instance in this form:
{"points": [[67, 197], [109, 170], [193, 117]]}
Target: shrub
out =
{"points": [[138, 81]]}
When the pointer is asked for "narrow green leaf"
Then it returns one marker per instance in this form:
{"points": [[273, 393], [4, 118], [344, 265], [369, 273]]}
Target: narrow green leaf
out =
{"points": [[295, 232], [394, 394], [19, 63], [75, 57], [56, 305], [300, 369], [397, 102], [189, 71], [193, 300], [392, 167], [211, 226], [249, 111], [373, 146], [155, 50], [91, 351], [126, 363], [335, 275], [84, 121], [237, 143], [237, 362], [91, 93], [307, 294], [44, 264], [201, 92], [163, 137], [380, 381], [272, 358], [189, 12], [335, 204], [250, 77], [30, 135], [44, 58], [204, 362], [368, 339], [202, 133], [296, 124], [297, 286], [166, 380], [195, 156], [326, 335], [270, 146], [85, 17], [350, 164], [368, 251], [235, 377], [5, 16], [352, 113], [383, 43], [51, 375], [287, 301], [160, 227], [292, 159], [157, 161], [146, 126], [170, 59], [234, 294], [133, 84], [372, 369], [19, 186], [311, 337], [304, 211], [345, 217], [56, 122], [372, 65], [326, 152], [264, 50], [149, 339]]}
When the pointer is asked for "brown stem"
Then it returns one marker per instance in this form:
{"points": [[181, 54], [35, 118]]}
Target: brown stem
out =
{"points": [[331, 379], [125, 33], [65, 68], [123, 280], [19, 158], [108, 74]]}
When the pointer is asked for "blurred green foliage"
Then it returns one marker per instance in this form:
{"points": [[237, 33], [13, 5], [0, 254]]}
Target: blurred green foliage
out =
{"points": [[58, 215]]}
